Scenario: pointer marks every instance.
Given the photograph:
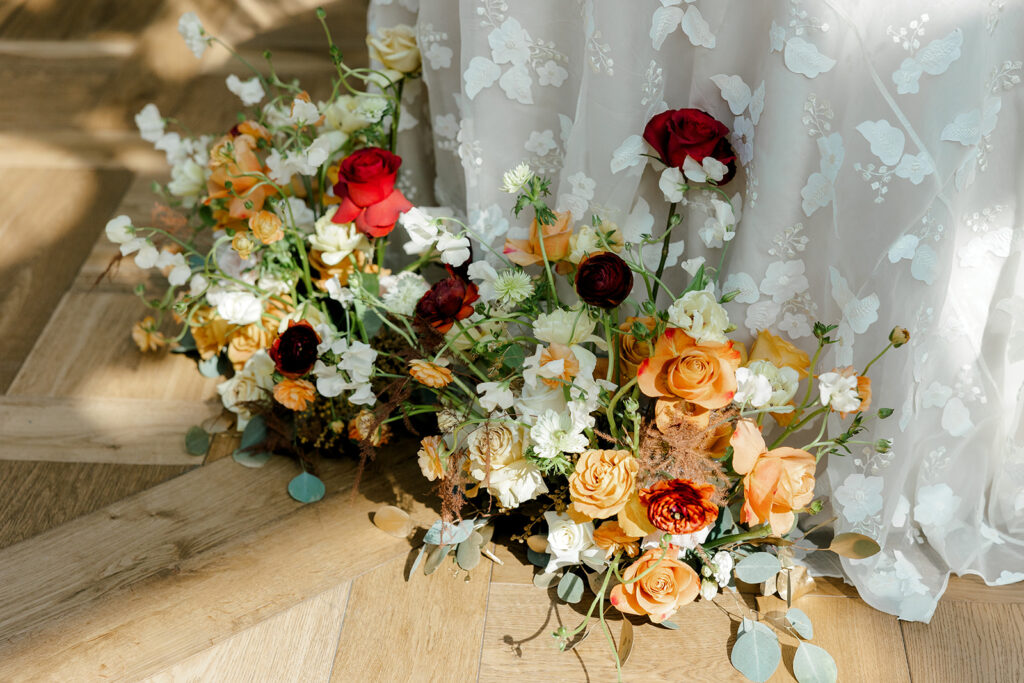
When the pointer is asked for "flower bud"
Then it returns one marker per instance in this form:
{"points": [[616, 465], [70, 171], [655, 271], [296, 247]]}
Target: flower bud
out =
{"points": [[883, 445], [899, 336], [448, 420]]}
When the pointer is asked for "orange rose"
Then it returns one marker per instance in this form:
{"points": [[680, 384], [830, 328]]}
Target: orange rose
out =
{"points": [[776, 482], [266, 227], [430, 374], [210, 332], [556, 242], [704, 374], [679, 506], [602, 483], [295, 394], [668, 585], [360, 426], [245, 341], [632, 352], [146, 336], [612, 539], [780, 353]]}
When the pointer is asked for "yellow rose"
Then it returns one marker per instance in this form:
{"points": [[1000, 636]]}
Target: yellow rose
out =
{"points": [[396, 48], [602, 483], [668, 585], [266, 227]]}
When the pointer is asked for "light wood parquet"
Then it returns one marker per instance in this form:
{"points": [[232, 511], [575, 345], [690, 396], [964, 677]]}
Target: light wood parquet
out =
{"points": [[122, 559]]}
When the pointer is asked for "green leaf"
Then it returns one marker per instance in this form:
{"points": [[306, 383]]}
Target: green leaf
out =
{"points": [[537, 559], [253, 460], [468, 553], [187, 343], [757, 567], [699, 281], [544, 580], [416, 562], [669, 625], [514, 357], [197, 441], [854, 546], [208, 367], [306, 488], [254, 433], [800, 622], [756, 653], [811, 664], [570, 588], [371, 322], [434, 558], [723, 525], [448, 533]]}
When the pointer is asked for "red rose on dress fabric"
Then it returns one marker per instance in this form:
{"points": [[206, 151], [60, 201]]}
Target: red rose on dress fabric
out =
{"points": [[680, 133], [366, 188], [679, 506], [294, 351], [604, 280], [449, 300]]}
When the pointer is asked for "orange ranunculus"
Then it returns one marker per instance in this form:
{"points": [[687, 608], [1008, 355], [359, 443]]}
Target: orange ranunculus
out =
{"points": [[295, 394], [266, 227], [668, 585], [146, 336], [704, 374], [556, 242], [602, 483], [571, 366], [245, 341], [679, 506], [360, 427], [776, 483], [632, 352], [210, 332], [612, 539], [430, 374], [233, 160], [780, 353]]}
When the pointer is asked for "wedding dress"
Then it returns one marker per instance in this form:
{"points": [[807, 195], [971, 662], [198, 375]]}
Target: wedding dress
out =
{"points": [[881, 148]]}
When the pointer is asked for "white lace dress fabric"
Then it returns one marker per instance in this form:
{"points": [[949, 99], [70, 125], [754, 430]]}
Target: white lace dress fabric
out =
{"points": [[881, 184]]}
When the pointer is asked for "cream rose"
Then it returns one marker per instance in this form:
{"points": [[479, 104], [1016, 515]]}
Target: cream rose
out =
{"points": [[253, 383], [396, 48], [700, 316], [516, 483], [335, 241], [571, 543], [493, 446]]}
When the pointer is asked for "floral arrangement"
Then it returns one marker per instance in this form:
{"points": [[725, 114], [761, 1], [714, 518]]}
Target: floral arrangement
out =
{"points": [[634, 447]]}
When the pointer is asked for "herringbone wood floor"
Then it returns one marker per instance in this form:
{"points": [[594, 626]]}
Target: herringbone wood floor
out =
{"points": [[122, 558]]}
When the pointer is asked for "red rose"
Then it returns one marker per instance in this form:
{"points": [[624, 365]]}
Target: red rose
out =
{"points": [[294, 352], [680, 133], [604, 280], [366, 187], [449, 300], [679, 506]]}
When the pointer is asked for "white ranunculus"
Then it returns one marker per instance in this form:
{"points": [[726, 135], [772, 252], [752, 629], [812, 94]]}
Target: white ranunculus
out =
{"points": [[491, 446], [336, 241], [252, 383], [191, 29], [150, 123], [239, 308], [566, 326], [700, 316], [839, 391], [516, 483], [570, 543], [119, 230], [250, 91]]}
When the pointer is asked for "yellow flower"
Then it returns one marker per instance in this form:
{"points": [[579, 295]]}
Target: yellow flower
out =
{"points": [[266, 227], [245, 341], [396, 48], [244, 244], [602, 483], [612, 539], [780, 353], [210, 332], [146, 336], [430, 374]]}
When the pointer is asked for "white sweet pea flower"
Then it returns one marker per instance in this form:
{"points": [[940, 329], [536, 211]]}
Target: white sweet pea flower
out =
{"points": [[671, 184], [516, 483], [495, 396], [191, 29], [119, 230], [174, 148], [721, 227], [146, 254], [454, 248], [566, 326], [486, 276], [570, 543], [701, 316], [709, 170], [188, 181], [423, 231], [180, 270], [357, 360], [554, 433], [784, 381], [752, 388], [197, 285], [303, 113], [150, 123], [239, 308], [250, 92], [336, 241], [515, 179], [839, 391]]}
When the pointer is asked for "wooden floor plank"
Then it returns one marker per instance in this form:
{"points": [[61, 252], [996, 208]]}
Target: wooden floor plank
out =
{"points": [[972, 588], [39, 496], [967, 642], [426, 629], [107, 430], [296, 645], [49, 219], [158, 577]]}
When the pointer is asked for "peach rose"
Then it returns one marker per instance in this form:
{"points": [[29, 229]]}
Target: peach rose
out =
{"points": [[632, 352], [295, 394], [146, 336], [555, 238], [430, 374], [660, 592], [776, 483], [245, 341], [704, 374], [360, 426], [266, 227], [612, 539], [780, 353], [210, 332], [602, 483]]}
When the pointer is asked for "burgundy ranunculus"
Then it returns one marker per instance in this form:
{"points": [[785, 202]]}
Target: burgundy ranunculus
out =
{"points": [[366, 187], [604, 280], [679, 506], [449, 300], [680, 133], [294, 352]]}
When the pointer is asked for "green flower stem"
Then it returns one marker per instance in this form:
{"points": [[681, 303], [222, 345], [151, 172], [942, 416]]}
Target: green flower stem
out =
{"points": [[872, 361], [794, 427], [664, 251], [762, 531], [393, 142], [610, 410], [552, 294], [240, 58]]}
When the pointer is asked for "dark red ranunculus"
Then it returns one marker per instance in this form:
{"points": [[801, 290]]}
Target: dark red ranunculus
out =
{"points": [[680, 133], [294, 352], [603, 279], [449, 300], [366, 188], [679, 506]]}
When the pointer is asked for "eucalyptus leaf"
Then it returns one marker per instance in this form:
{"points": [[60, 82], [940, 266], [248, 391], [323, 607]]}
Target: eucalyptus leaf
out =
{"points": [[416, 562], [254, 433], [757, 567], [197, 441], [756, 653], [185, 344], [254, 460], [811, 664], [434, 558], [486, 533], [468, 553], [800, 622], [625, 640], [723, 525], [570, 588], [442, 532], [854, 546], [306, 488], [209, 367], [669, 625], [537, 559], [545, 580]]}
